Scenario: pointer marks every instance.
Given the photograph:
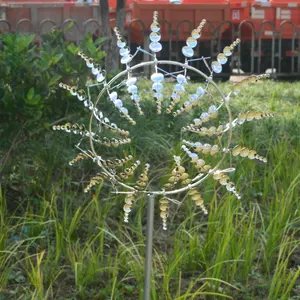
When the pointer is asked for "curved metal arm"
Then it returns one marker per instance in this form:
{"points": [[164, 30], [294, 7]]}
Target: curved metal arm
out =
{"points": [[161, 62]]}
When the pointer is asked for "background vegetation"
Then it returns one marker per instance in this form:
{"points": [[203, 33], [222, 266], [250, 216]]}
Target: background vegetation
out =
{"points": [[58, 243]]}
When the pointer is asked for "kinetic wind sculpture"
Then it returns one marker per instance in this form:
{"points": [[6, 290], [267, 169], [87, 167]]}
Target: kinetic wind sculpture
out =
{"points": [[196, 150], [180, 102]]}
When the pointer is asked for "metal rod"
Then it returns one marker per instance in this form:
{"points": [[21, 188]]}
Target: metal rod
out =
{"points": [[149, 246]]}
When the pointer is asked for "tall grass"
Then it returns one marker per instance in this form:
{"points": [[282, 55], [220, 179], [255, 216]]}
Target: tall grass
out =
{"points": [[68, 245]]}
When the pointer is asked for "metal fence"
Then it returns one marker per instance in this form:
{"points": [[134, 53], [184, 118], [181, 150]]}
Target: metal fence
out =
{"points": [[276, 51]]}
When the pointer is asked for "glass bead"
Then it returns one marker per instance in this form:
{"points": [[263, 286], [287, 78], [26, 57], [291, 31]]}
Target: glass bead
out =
{"points": [[136, 98], [132, 89], [227, 51], [194, 157], [197, 121], [89, 64], [187, 104], [155, 27], [157, 77], [178, 88], [157, 86], [155, 46], [127, 208], [194, 97], [200, 91], [81, 95], [195, 34], [131, 81], [121, 43], [113, 96], [175, 96], [95, 70], [187, 51], [100, 77], [124, 51], [191, 42], [222, 58], [125, 59], [158, 96], [216, 67], [73, 91], [204, 115], [118, 103], [250, 116], [124, 110], [181, 79], [229, 186], [212, 109], [106, 120], [155, 37]]}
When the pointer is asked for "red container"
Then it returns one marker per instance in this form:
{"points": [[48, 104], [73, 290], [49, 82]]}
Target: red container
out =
{"points": [[276, 11], [261, 13], [287, 11], [183, 18], [239, 10], [58, 11]]}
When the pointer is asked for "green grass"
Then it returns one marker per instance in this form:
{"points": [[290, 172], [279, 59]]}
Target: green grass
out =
{"points": [[58, 243]]}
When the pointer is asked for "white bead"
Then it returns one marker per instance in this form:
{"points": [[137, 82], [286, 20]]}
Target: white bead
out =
{"points": [[187, 51], [113, 96], [118, 103], [132, 89], [95, 71], [157, 77], [100, 77], [181, 79], [124, 110], [131, 81], [204, 115]]}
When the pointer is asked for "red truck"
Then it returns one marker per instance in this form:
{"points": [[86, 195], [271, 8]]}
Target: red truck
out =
{"points": [[270, 30]]}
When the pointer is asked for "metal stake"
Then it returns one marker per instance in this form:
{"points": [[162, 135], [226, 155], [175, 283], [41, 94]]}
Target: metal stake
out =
{"points": [[149, 246]]}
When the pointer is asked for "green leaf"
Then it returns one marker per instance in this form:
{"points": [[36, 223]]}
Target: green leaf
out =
{"points": [[29, 39], [34, 100], [47, 125], [54, 80], [30, 94], [129, 288], [57, 58], [72, 48], [69, 26], [99, 41]]}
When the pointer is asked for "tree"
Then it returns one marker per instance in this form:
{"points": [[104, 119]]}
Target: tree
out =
{"points": [[111, 63]]}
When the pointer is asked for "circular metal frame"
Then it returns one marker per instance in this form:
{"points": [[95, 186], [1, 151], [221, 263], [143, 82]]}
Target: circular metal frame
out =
{"points": [[155, 63]]}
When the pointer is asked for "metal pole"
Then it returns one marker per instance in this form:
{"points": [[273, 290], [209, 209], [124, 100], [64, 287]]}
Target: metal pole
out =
{"points": [[149, 246]]}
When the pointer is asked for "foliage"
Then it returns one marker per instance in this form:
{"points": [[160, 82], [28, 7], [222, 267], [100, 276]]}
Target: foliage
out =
{"points": [[57, 243], [30, 72]]}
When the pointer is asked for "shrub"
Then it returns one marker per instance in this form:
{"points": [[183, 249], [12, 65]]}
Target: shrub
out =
{"points": [[30, 100]]}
